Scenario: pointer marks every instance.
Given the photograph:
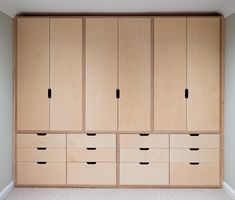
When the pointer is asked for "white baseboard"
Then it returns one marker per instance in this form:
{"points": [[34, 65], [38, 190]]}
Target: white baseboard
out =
{"points": [[6, 190], [230, 191]]}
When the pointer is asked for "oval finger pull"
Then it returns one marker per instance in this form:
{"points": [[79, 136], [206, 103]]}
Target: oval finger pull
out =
{"points": [[41, 163], [143, 163], [144, 149], [91, 134], [91, 148], [41, 148], [194, 163], [194, 149], [144, 134], [41, 134], [194, 134], [91, 163]]}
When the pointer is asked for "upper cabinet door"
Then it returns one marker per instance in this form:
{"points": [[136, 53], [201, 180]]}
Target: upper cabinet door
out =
{"points": [[32, 73], [134, 73], [66, 74], [169, 73], [203, 73], [101, 74]]}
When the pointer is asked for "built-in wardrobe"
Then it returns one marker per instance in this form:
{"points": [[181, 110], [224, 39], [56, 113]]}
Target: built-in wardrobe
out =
{"points": [[125, 101]]}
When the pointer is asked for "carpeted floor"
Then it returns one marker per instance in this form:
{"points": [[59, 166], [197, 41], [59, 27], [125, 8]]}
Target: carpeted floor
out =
{"points": [[117, 194]]}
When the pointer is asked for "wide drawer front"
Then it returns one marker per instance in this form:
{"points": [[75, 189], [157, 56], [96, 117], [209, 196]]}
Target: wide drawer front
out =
{"points": [[41, 140], [32, 173], [144, 140], [204, 174], [91, 140], [194, 141], [144, 174], [41, 154], [91, 154], [91, 174], [194, 155], [144, 155]]}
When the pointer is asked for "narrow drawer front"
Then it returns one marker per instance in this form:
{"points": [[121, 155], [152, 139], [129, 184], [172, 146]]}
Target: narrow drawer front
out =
{"points": [[194, 141], [144, 155], [195, 155], [31, 173], [91, 154], [91, 174], [41, 140], [144, 140], [204, 174], [41, 154], [145, 174], [92, 140]]}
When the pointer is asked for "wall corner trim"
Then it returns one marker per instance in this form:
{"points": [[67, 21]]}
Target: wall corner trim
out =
{"points": [[4, 193], [230, 191]]}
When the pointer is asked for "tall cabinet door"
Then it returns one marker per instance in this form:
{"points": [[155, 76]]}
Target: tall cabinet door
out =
{"points": [[101, 74], [169, 73], [32, 73], [134, 73], [66, 74], [203, 73]]}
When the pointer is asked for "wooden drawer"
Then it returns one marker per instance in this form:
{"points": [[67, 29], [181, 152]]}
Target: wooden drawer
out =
{"points": [[144, 155], [91, 140], [91, 174], [41, 154], [91, 154], [204, 174], [194, 141], [31, 173], [41, 140], [195, 155], [144, 140], [137, 174]]}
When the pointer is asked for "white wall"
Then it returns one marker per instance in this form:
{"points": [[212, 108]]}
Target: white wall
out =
{"points": [[229, 112], [6, 99]]}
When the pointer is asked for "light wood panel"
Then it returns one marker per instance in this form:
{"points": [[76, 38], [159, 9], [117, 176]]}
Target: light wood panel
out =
{"points": [[134, 74], [66, 74], [203, 73], [169, 73], [32, 73], [101, 74]]}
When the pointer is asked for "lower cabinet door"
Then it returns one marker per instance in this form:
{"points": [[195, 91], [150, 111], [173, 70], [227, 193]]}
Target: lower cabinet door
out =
{"points": [[91, 173], [144, 173], [194, 174], [41, 173]]}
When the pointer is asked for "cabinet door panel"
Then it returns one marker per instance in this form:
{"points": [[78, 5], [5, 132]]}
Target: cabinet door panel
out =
{"points": [[32, 73], [169, 73], [134, 74], [66, 74], [101, 74], [203, 73]]}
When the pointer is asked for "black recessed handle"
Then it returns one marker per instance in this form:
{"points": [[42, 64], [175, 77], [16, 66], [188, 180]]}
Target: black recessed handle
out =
{"points": [[194, 134], [41, 134], [91, 163], [144, 163], [41, 163], [144, 149], [91, 134], [91, 148], [186, 93], [194, 163], [49, 93], [194, 149], [117, 93], [41, 148], [144, 134]]}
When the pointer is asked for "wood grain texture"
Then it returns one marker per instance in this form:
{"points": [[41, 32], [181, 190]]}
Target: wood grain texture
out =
{"points": [[203, 74], [101, 74], [134, 74], [169, 73], [32, 73], [66, 74]]}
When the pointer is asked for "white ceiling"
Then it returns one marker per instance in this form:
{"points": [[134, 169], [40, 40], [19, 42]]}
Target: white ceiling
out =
{"points": [[13, 7]]}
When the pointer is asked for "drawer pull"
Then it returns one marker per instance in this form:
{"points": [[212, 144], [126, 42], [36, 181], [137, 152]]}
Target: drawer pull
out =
{"points": [[91, 163], [91, 134], [144, 149], [41, 134], [41, 148], [194, 149], [143, 163], [194, 134], [194, 163], [144, 134], [41, 163], [91, 148]]}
